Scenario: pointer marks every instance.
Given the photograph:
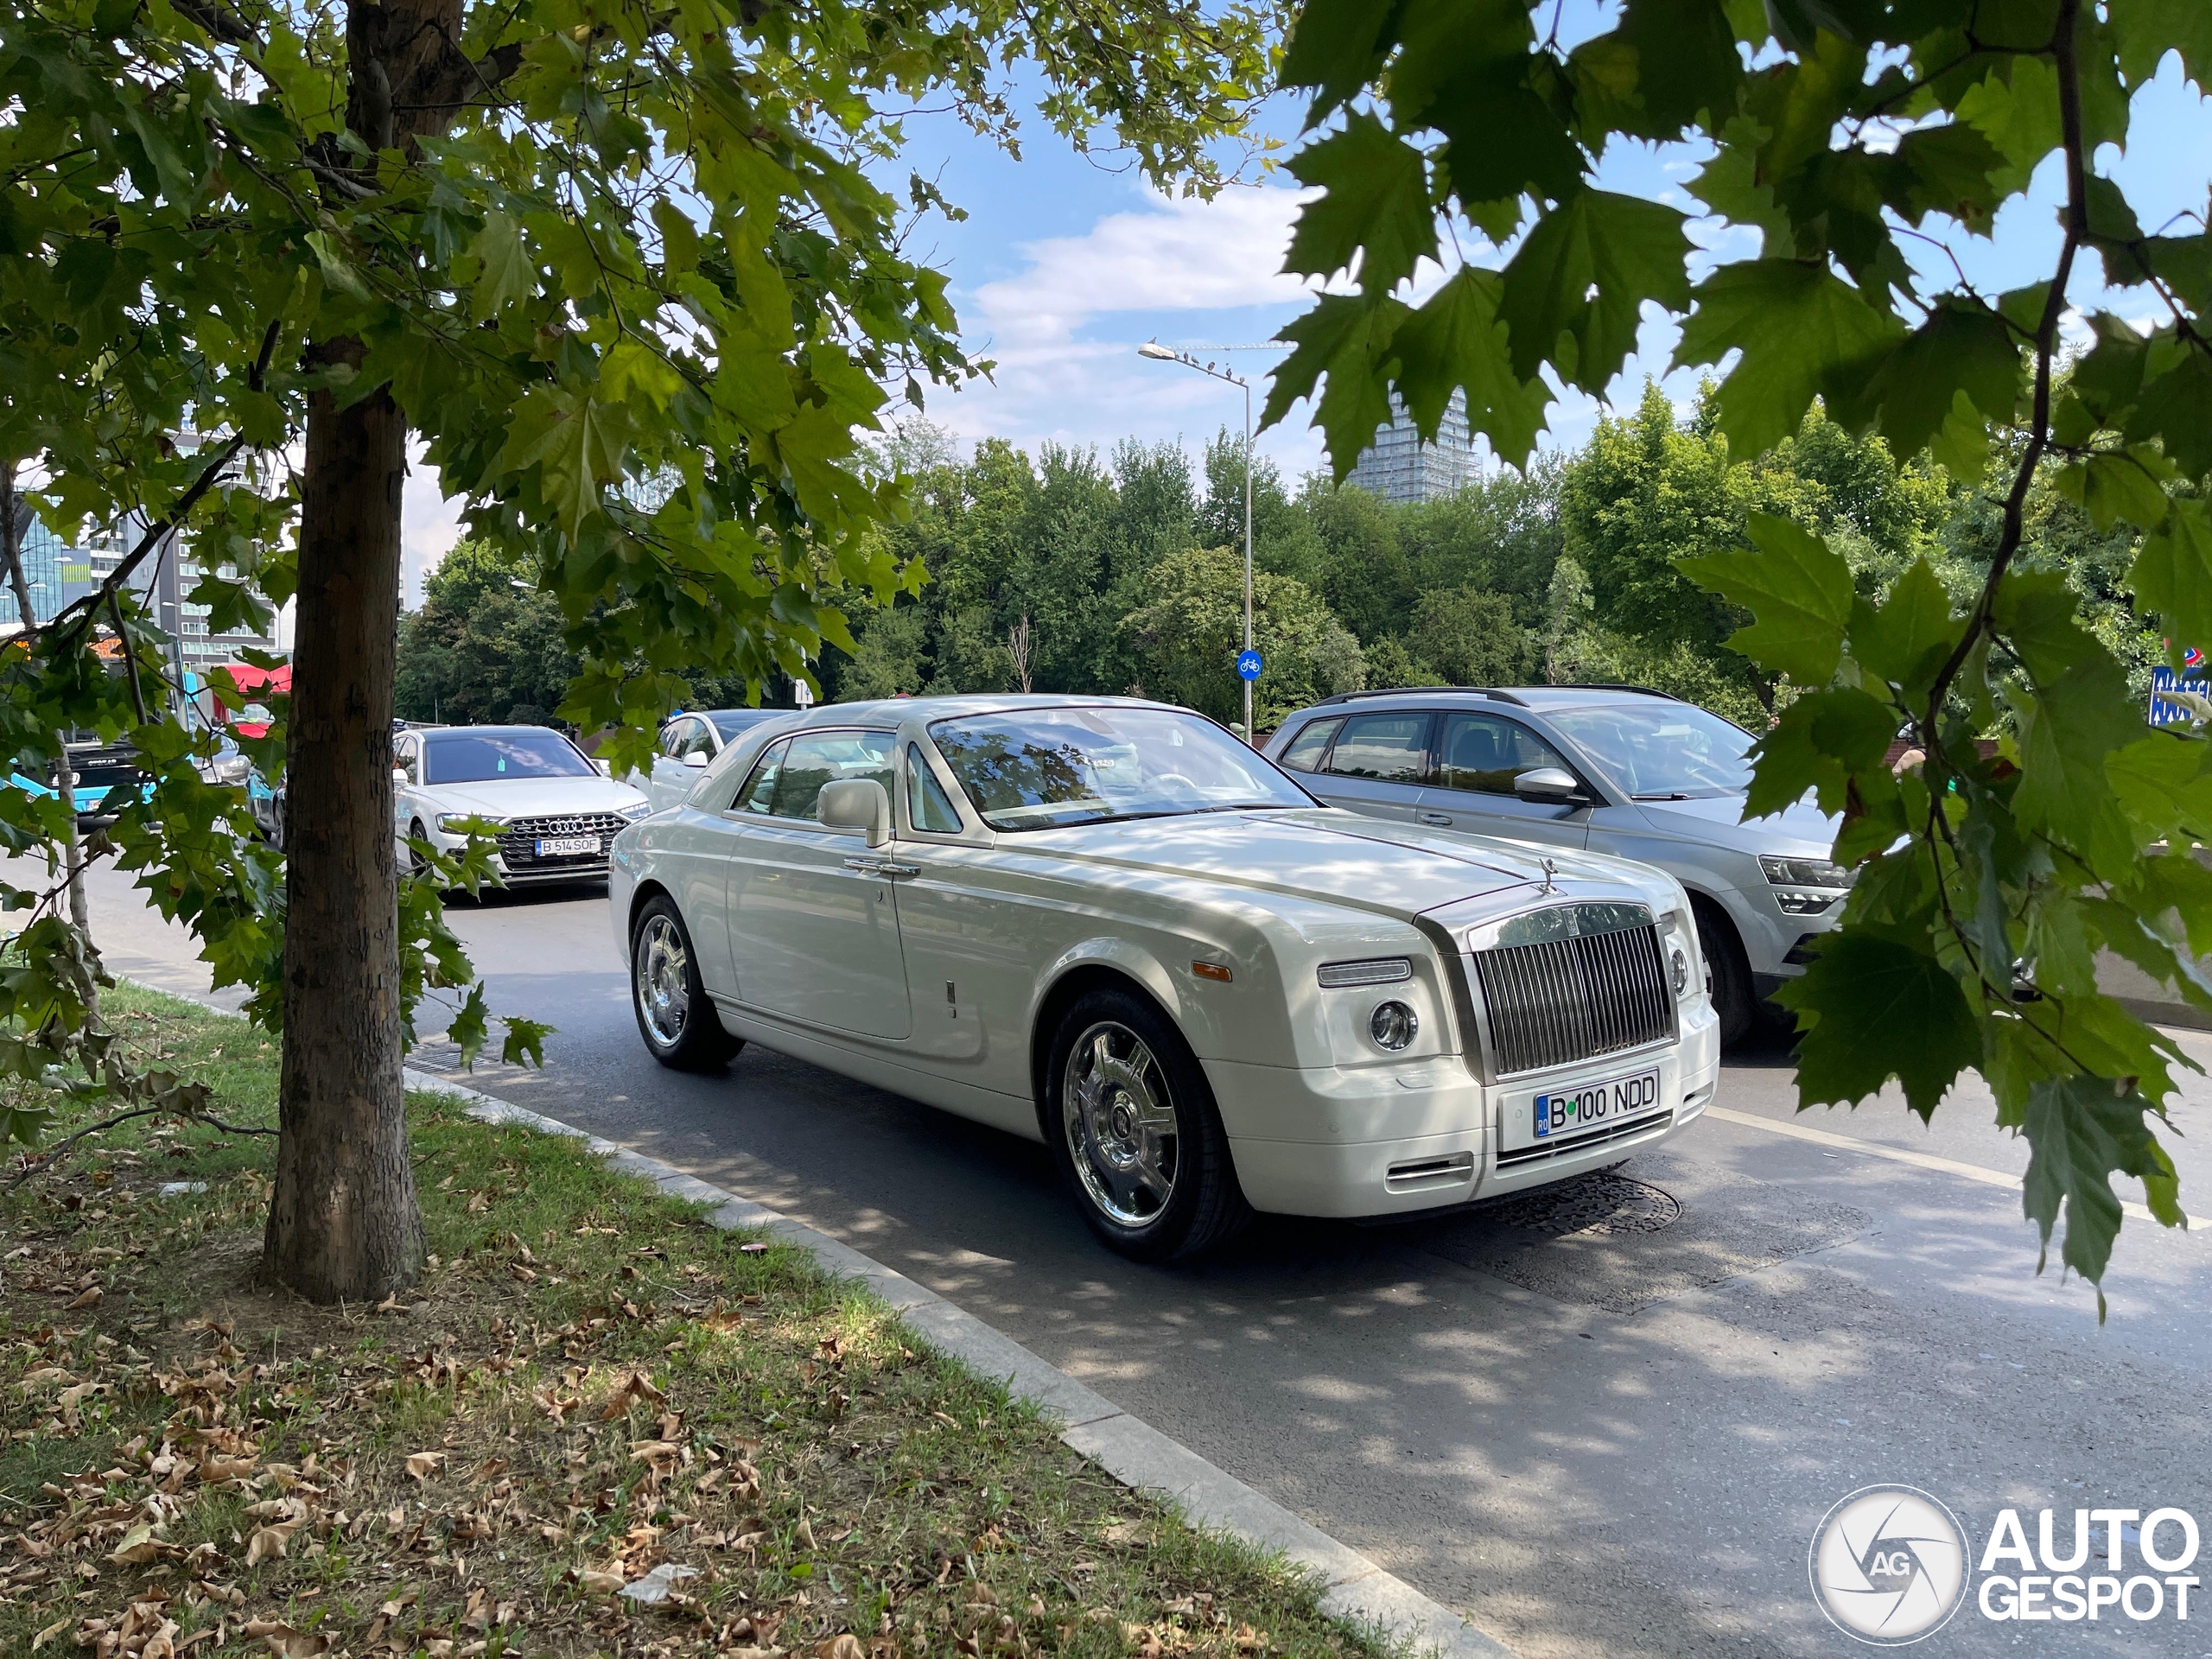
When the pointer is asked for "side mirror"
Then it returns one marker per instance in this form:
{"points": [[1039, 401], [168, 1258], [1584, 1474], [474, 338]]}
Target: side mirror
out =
{"points": [[856, 804], [1550, 784], [399, 777], [698, 761]]}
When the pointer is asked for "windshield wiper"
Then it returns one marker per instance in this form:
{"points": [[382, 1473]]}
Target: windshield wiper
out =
{"points": [[1677, 796], [1252, 806]]}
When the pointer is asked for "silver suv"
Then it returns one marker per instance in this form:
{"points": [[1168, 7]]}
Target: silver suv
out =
{"points": [[1613, 768]]}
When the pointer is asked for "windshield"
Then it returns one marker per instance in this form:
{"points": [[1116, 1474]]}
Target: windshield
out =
{"points": [[493, 757], [730, 721], [1662, 751], [1036, 769]]}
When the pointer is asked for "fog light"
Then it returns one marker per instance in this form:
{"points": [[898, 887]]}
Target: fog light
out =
{"points": [[1681, 965], [1392, 1025]]}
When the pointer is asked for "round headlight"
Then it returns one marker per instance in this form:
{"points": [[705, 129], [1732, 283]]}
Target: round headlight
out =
{"points": [[1681, 965], [1392, 1025]]}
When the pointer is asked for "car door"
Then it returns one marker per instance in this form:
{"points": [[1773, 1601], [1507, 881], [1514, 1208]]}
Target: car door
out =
{"points": [[951, 931], [1375, 764], [1478, 754], [686, 743], [406, 803], [813, 920]]}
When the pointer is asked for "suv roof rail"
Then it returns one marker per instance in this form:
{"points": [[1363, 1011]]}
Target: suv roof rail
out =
{"points": [[1620, 685], [1402, 690]]}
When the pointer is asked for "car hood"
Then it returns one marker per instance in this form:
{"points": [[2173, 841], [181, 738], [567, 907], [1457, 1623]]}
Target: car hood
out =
{"points": [[1800, 830], [520, 797], [1335, 857]]}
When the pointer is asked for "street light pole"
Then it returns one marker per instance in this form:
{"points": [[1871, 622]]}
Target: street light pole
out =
{"points": [[1159, 353]]}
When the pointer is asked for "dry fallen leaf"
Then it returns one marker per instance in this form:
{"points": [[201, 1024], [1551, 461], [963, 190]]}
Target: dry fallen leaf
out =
{"points": [[844, 1645], [599, 1581], [267, 1543], [283, 1641], [423, 1464], [86, 1298]]}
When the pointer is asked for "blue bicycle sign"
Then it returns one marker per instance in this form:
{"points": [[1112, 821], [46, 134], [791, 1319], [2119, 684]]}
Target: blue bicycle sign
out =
{"points": [[1247, 664]]}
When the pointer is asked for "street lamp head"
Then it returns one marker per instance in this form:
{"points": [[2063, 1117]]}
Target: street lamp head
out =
{"points": [[1154, 350]]}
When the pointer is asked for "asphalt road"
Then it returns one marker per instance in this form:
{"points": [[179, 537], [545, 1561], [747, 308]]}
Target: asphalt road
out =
{"points": [[1606, 1426]]}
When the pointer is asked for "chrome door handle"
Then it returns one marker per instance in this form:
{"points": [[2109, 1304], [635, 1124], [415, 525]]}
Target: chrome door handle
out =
{"points": [[1442, 819], [883, 866]]}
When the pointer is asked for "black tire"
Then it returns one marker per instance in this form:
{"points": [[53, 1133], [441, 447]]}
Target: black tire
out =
{"points": [[416, 864], [675, 1016], [1731, 970], [1107, 1117]]}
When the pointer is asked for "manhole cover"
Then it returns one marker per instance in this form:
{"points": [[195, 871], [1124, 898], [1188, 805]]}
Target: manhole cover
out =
{"points": [[1602, 1202]]}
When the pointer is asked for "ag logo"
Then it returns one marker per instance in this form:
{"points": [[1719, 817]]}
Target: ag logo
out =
{"points": [[1888, 1565]]}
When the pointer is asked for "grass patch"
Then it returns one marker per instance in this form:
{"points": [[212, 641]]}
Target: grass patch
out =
{"points": [[592, 1386]]}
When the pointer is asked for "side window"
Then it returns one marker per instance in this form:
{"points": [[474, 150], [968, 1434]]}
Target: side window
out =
{"points": [[1486, 752], [814, 759], [407, 760], [697, 740], [927, 808], [1306, 750], [1389, 749], [760, 788], [673, 734]]}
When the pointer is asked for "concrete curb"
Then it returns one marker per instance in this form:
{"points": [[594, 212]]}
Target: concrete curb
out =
{"points": [[1126, 1447]]}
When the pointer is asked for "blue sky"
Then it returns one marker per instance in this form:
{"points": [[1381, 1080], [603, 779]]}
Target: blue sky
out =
{"points": [[1063, 267]]}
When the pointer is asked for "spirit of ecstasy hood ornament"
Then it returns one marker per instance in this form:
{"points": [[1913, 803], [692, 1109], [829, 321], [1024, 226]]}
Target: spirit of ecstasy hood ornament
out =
{"points": [[1550, 870]]}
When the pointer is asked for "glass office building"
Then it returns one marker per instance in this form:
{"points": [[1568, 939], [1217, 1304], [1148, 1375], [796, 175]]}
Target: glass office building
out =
{"points": [[1399, 466]]}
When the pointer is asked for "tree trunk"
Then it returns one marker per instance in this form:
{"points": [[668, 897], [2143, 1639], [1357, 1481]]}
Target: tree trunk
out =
{"points": [[344, 1222]]}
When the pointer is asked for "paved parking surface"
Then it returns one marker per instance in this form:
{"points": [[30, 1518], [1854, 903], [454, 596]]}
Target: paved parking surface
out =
{"points": [[1602, 1425]]}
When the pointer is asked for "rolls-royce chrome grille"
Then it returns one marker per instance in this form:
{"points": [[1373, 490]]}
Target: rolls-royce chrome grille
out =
{"points": [[1555, 1000]]}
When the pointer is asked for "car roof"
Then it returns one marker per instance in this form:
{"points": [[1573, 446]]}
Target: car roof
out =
{"points": [[891, 712], [1535, 698], [436, 732]]}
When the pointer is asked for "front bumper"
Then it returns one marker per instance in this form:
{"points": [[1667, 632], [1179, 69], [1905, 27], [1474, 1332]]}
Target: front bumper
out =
{"points": [[1393, 1141]]}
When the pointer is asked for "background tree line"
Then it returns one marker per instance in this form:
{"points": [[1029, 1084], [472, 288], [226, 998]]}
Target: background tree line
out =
{"points": [[1068, 571]]}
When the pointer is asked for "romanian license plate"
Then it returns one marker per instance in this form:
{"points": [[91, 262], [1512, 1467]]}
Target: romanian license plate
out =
{"points": [[566, 846], [1568, 1111]]}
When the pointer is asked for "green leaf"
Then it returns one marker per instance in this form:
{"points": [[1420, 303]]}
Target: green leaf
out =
{"points": [[2110, 486], [1687, 64], [2176, 409], [2016, 108], [2147, 30], [1803, 333], [2068, 725], [1821, 739], [1797, 590], [338, 271], [1949, 168], [1963, 348], [633, 372], [1455, 343], [578, 442], [2173, 573], [1907, 639], [508, 274], [2162, 784], [2081, 1132], [1871, 1007], [1347, 339], [1468, 71], [1335, 47], [1584, 273], [1375, 204]]}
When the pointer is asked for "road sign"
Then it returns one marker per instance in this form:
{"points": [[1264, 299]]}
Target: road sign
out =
{"points": [[2166, 706], [1247, 664]]}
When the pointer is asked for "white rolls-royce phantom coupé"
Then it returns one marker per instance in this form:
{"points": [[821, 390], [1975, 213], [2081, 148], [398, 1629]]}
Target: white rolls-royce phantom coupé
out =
{"points": [[1110, 925]]}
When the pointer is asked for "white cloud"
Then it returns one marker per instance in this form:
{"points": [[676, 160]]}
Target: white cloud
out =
{"points": [[1183, 254], [428, 526]]}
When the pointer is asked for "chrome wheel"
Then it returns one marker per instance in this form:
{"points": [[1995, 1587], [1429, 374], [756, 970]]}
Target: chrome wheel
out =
{"points": [[663, 980], [1119, 1124]]}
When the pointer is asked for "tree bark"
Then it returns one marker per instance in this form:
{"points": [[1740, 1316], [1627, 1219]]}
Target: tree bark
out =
{"points": [[344, 1222]]}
